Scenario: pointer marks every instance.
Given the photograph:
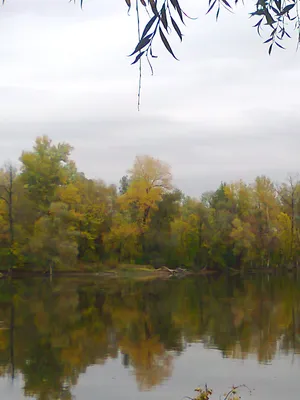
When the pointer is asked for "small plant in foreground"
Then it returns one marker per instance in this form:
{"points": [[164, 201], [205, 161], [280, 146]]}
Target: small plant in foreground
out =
{"points": [[206, 393]]}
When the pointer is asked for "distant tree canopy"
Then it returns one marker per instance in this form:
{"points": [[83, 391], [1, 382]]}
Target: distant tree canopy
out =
{"points": [[52, 216]]}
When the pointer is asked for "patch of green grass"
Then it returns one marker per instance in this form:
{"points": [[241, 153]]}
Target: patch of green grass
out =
{"points": [[132, 267]]}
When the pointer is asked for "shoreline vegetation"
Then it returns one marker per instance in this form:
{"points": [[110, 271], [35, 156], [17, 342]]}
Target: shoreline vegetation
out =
{"points": [[54, 220]]}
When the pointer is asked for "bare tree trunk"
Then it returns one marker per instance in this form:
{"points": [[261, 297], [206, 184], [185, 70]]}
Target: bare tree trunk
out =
{"points": [[6, 194], [10, 204], [51, 271]]}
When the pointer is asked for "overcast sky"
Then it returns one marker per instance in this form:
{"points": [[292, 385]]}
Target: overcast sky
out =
{"points": [[226, 111]]}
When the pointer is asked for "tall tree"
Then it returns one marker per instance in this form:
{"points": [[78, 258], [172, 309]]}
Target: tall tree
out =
{"points": [[266, 210], [54, 240], [157, 246], [45, 168], [289, 194], [150, 178]]}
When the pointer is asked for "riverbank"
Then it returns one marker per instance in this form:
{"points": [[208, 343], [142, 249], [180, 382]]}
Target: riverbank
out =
{"points": [[131, 271], [99, 270]]}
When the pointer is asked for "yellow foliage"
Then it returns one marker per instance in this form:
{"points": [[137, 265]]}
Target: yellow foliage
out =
{"points": [[153, 172], [149, 179], [4, 339], [123, 239], [68, 194], [142, 195], [284, 232]]}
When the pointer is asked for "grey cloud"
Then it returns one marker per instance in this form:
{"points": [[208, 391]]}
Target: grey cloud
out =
{"points": [[200, 156], [226, 111], [59, 8]]}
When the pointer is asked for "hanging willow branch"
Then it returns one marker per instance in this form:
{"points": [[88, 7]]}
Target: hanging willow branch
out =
{"points": [[161, 23], [167, 16]]}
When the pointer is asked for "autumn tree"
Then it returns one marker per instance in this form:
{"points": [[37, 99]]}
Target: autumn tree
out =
{"points": [[150, 178], [221, 213], [54, 240], [266, 210], [92, 203], [289, 193], [242, 233], [158, 248], [189, 232], [122, 240], [143, 189]]}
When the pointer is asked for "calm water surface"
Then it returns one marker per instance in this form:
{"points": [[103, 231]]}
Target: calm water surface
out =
{"points": [[90, 340]]}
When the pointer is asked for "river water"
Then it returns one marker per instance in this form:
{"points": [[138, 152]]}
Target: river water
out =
{"points": [[114, 339]]}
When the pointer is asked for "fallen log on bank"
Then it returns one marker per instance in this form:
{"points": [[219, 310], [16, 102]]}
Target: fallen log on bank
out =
{"points": [[174, 272]]}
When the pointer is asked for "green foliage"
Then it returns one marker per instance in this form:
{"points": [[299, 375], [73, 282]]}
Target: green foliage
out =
{"points": [[44, 169], [54, 239], [124, 184], [122, 241]]}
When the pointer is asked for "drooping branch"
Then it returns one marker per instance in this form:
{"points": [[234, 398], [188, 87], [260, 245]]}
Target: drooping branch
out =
{"points": [[274, 14], [168, 16]]}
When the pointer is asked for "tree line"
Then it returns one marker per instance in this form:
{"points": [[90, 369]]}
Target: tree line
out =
{"points": [[53, 216]]}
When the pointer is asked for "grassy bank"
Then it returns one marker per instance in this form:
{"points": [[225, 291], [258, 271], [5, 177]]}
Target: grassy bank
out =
{"points": [[99, 270]]}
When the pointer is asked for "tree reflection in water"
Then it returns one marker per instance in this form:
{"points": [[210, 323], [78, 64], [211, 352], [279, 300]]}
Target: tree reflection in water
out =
{"points": [[50, 333]]}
